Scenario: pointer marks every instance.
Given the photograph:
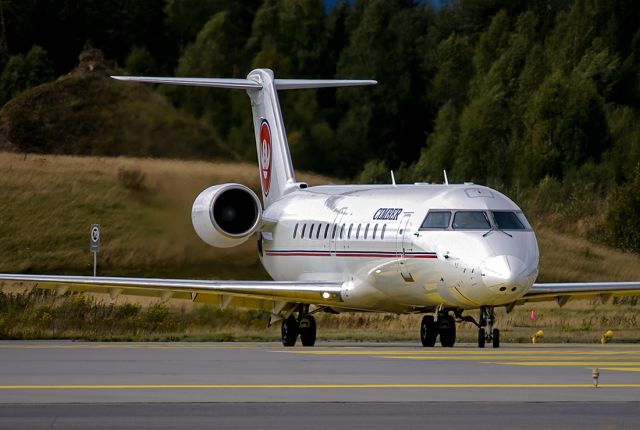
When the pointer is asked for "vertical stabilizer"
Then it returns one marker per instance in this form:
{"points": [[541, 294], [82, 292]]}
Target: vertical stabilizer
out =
{"points": [[277, 176]]}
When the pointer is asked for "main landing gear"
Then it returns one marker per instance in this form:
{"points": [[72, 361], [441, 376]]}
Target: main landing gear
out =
{"points": [[304, 326], [445, 327]]}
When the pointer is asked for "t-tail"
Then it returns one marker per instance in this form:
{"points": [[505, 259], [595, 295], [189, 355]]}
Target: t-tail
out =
{"points": [[277, 176]]}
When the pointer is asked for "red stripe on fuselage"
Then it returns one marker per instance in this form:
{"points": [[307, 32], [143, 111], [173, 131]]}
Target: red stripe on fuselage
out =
{"points": [[346, 254]]}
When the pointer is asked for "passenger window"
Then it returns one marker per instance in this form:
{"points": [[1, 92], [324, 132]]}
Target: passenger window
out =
{"points": [[366, 231], [311, 232], [326, 230], [342, 231], [358, 232], [507, 221], [436, 219], [384, 227], [333, 232], [304, 227], [349, 234], [471, 220], [318, 231], [375, 229], [295, 231]]}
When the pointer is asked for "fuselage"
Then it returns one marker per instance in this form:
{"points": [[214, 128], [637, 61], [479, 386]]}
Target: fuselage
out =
{"points": [[405, 248]]}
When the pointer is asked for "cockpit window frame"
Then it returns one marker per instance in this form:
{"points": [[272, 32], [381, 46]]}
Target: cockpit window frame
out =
{"points": [[488, 213], [448, 227], [519, 216], [483, 228]]}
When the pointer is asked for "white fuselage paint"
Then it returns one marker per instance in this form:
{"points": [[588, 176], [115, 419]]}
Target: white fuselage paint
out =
{"points": [[410, 269]]}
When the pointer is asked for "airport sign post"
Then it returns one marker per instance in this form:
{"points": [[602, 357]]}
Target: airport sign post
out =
{"points": [[95, 245]]}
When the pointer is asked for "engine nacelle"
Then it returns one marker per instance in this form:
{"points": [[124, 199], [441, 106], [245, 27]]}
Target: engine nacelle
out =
{"points": [[226, 215]]}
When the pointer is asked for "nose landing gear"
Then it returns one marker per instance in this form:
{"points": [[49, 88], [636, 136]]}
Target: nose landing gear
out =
{"points": [[487, 318]]}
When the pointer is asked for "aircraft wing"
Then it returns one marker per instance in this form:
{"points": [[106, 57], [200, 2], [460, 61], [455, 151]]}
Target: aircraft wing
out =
{"points": [[563, 292], [202, 291]]}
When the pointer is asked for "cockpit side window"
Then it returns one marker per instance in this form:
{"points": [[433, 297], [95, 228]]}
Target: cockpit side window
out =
{"points": [[471, 220], [508, 221], [436, 219]]}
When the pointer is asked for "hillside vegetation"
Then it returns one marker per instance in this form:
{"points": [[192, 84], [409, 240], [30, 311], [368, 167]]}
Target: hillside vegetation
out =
{"points": [[50, 202], [86, 112], [531, 98]]}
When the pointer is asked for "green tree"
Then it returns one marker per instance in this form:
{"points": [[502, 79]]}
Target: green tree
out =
{"points": [[25, 71], [390, 120], [622, 224], [140, 62]]}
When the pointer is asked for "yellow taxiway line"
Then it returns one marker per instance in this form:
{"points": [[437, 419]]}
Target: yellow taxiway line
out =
{"points": [[301, 386]]}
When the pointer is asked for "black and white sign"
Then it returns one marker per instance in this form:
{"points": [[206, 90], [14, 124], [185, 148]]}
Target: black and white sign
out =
{"points": [[95, 237]]}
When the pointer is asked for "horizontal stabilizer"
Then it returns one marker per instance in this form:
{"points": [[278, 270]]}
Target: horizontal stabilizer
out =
{"points": [[294, 84], [248, 84], [241, 84]]}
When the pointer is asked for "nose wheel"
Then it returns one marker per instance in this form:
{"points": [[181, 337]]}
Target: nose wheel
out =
{"points": [[487, 318]]}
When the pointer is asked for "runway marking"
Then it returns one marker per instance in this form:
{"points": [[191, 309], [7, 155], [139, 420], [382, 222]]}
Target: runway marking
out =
{"points": [[558, 361], [468, 355], [302, 386], [569, 363], [622, 369], [129, 346]]}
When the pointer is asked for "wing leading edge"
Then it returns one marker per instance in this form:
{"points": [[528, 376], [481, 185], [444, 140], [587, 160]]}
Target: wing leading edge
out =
{"points": [[311, 292], [563, 292]]}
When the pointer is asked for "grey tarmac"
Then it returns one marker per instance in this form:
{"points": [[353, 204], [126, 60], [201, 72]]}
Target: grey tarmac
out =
{"points": [[64, 384]]}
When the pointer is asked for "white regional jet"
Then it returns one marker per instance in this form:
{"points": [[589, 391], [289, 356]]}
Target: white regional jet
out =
{"points": [[438, 250]]}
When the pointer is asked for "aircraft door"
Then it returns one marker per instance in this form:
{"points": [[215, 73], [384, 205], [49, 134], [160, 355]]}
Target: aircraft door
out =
{"points": [[335, 238], [404, 245]]}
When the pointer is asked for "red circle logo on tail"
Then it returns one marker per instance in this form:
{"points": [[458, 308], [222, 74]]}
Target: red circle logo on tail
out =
{"points": [[265, 156]]}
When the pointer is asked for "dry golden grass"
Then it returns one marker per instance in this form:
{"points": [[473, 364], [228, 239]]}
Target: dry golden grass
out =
{"points": [[49, 203], [566, 258]]}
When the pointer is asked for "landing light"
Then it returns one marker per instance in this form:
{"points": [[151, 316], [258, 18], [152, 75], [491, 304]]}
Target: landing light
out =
{"points": [[326, 295]]}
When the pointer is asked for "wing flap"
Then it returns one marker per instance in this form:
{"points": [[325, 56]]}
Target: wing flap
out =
{"points": [[312, 292]]}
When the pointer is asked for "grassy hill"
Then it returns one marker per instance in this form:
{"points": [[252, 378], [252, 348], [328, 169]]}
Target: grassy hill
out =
{"points": [[50, 201], [86, 112]]}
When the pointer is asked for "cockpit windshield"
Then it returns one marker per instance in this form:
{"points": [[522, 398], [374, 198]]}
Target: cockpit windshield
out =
{"points": [[507, 221], [437, 219], [470, 220], [452, 219]]}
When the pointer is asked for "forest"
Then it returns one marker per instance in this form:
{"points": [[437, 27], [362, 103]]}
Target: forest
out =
{"points": [[539, 99]]}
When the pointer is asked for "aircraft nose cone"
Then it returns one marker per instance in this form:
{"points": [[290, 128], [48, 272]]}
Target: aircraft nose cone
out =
{"points": [[505, 274]]}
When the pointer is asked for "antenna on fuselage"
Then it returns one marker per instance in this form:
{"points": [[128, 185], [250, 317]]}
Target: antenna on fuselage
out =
{"points": [[446, 180], [393, 179]]}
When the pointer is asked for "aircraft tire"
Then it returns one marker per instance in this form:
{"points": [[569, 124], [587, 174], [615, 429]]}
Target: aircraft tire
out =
{"points": [[482, 336], [428, 331], [289, 331], [308, 331], [496, 338], [447, 330]]}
